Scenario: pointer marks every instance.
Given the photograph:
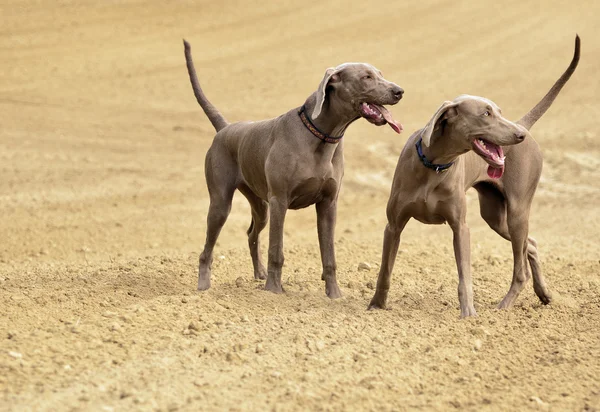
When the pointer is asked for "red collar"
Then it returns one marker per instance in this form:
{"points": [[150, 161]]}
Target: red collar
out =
{"points": [[313, 129]]}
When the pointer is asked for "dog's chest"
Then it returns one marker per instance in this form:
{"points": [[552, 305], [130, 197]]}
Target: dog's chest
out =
{"points": [[433, 208], [311, 189], [427, 213]]}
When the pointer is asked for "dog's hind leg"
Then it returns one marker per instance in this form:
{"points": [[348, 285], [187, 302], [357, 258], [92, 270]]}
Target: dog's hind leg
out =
{"points": [[493, 210], [539, 282], [221, 177], [260, 217]]}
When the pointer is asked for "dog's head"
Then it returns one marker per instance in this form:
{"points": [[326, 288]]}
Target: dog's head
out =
{"points": [[475, 123], [360, 91]]}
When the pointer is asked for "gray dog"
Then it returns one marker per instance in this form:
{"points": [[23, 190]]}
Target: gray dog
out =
{"points": [[290, 162], [460, 148]]}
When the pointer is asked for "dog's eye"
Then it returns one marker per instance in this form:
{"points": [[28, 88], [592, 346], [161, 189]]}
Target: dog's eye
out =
{"points": [[368, 76], [486, 113]]}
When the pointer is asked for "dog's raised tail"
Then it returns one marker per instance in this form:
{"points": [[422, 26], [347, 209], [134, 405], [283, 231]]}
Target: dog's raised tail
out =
{"points": [[215, 117], [538, 111]]}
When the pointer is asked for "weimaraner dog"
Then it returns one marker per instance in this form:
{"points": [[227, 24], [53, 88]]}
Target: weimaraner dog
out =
{"points": [[289, 162], [460, 148]]}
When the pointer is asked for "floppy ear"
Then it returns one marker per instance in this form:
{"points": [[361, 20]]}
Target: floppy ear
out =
{"points": [[321, 91], [434, 123]]}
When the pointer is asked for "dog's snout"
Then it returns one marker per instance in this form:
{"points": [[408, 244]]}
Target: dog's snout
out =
{"points": [[398, 92]]}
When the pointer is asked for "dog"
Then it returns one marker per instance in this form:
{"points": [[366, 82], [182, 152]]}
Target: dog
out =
{"points": [[468, 143], [289, 162]]}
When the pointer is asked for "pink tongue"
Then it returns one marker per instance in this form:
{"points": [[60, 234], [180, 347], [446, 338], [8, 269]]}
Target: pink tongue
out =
{"points": [[495, 172], [388, 118]]}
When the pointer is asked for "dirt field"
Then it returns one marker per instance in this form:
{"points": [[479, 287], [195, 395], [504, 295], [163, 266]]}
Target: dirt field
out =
{"points": [[103, 207]]}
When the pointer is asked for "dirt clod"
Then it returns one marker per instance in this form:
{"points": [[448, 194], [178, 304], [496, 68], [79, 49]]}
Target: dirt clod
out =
{"points": [[364, 266]]}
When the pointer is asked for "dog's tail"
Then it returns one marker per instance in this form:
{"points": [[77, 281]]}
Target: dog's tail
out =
{"points": [[215, 117], [538, 111]]}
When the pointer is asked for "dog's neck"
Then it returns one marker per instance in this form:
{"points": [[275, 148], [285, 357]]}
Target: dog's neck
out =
{"points": [[442, 148], [333, 119]]}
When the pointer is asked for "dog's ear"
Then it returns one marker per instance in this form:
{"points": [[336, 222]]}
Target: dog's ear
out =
{"points": [[435, 121], [331, 75]]}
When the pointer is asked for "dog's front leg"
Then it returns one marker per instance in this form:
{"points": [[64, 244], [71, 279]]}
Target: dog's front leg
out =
{"points": [[462, 254], [391, 242], [278, 208], [326, 216]]}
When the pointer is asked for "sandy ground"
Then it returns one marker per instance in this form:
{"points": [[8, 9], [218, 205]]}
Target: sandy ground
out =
{"points": [[103, 206]]}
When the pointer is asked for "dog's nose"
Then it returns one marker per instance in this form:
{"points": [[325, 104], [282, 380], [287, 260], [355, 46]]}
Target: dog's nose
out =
{"points": [[520, 136], [398, 92]]}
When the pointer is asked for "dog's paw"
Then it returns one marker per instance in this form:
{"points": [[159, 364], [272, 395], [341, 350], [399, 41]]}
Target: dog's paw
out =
{"points": [[333, 291], [203, 283], [260, 274], [273, 287], [543, 293], [377, 304], [379, 300], [467, 312]]}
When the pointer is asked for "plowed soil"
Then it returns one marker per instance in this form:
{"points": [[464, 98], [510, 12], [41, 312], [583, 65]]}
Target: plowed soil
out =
{"points": [[103, 209]]}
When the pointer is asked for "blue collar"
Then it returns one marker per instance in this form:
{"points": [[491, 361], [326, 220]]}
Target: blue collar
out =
{"points": [[427, 163]]}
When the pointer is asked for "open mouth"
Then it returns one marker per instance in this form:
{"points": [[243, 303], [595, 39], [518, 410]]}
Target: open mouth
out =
{"points": [[492, 154], [379, 115]]}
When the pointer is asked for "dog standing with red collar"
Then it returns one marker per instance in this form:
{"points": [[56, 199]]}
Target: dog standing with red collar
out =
{"points": [[290, 162]]}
